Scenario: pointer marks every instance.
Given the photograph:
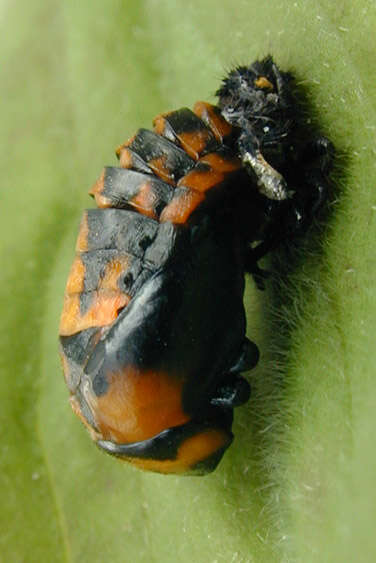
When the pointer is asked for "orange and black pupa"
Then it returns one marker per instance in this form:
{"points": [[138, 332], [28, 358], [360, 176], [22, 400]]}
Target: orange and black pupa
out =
{"points": [[152, 332]]}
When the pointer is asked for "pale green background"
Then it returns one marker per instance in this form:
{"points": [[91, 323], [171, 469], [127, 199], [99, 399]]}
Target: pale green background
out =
{"points": [[76, 79]]}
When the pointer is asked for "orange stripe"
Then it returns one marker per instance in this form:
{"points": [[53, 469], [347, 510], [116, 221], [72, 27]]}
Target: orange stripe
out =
{"points": [[180, 208], [158, 165], [194, 142], [201, 180], [211, 116], [220, 163], [192, 451], [145, 200]]}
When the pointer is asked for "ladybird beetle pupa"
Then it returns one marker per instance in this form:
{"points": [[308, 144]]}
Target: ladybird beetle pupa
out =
{"points": [[152, 331]]}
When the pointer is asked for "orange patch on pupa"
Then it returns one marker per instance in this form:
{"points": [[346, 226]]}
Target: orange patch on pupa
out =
{"points": [[194, 142], [144, 201], [82, 240], [201, 180], [180, 208], [159, 123], [107, 299], [125, 158], [210, 115], [103, 311], [138, 405], [97, 191], [112, 272], [221, 164], [75, 282], [158, 165]]}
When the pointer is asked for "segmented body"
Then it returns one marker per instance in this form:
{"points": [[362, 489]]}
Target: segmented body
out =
{"points": [[163, 224], [153, 326]]}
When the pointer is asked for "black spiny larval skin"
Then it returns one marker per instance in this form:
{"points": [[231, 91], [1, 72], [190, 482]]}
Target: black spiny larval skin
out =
{"points": [[289, 160]]}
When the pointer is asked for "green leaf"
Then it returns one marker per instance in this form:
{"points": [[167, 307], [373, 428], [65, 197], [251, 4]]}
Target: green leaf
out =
{"points": [[78, 78]]}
